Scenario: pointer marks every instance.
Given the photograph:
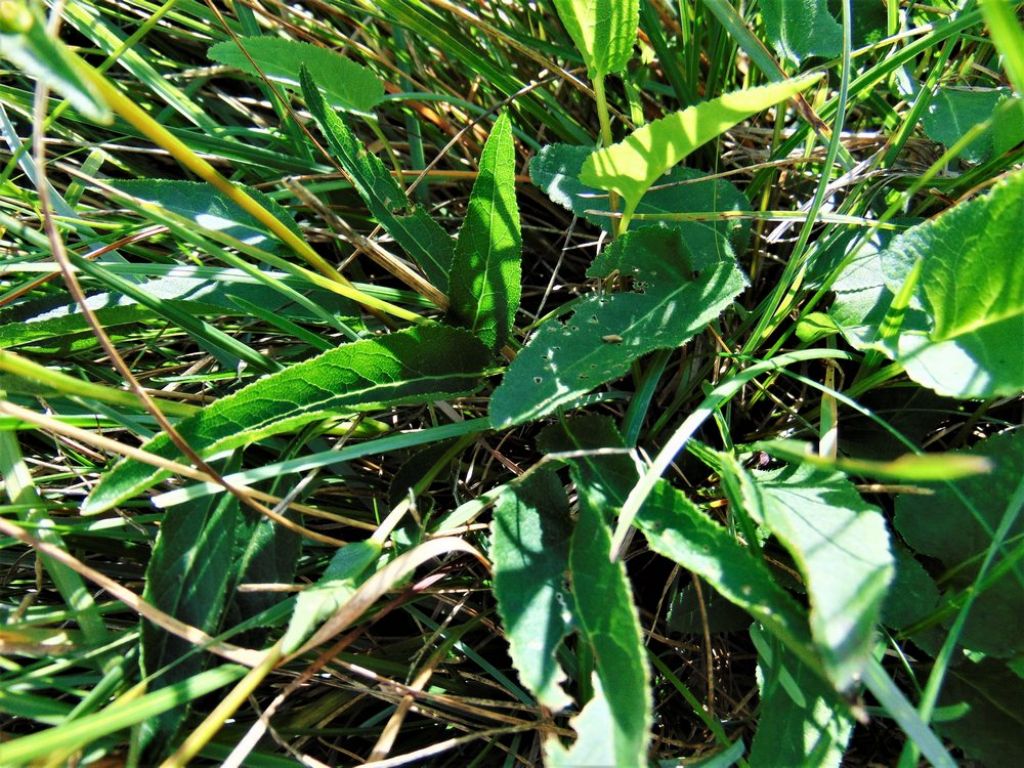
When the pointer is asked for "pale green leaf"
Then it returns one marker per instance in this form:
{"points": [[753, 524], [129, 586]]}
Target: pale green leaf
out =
{"points": [[633, 165], [955, 526], [595, 736], [347, 85], [413, 229], [603, 31], [25, 41], [412, 366], [556, 169], [966, 342], [802, 720], [530, 552], [486, 265], [672, 295], [347, 570], [801, 29], [841, 546]]}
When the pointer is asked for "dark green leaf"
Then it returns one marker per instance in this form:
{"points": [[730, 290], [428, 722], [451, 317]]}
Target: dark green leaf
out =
{"points": [[991, 730], [486, 265], [412, 366], [673, 294], [801, 29], [530, 552], [348, 85], [952, 112], [421, 237]]}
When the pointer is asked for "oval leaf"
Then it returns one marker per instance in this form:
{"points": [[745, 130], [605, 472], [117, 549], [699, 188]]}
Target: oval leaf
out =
{"points": [[486, 266], [412, 366], [634, 164], [799, 29], [603, 31]]}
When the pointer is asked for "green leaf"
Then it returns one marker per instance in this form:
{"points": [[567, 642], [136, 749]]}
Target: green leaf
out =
{"points": [[954, 111], [346, 571], [421, 237], [595, 736], [673, 294], [603, 31], [188, 576], [412, 366], [25, 41], [802, 720], [347, 85], [530, 551], [841, 546], [913, 595], [966, 342], [801, 29], [556, 169], [486, 265], [991, 730], [955, 525], [609, 622], [210, 209], [633, 165]]}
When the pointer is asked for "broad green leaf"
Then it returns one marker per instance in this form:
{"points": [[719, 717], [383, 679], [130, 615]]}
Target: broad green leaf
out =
{"points": [[556, 169], [603, 31], [210, 209], [413, 229], [188, 576], [841, 546], [633, 165], [609, 622], [954, 111], [486, 265], [943, 526], [412, 366], [802, 721], [913, 595], [989, 698], [801, 29], [347, 85], [25, 41], [530, 551], [595, 728], [315, 604], [672, 294], [966, 342]]}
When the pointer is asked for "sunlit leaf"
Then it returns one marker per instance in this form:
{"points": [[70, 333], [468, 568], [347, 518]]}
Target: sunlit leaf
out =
{"points": [[603, 31]]}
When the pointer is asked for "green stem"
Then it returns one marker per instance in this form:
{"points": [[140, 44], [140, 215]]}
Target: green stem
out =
{"points": [[607, 140]]}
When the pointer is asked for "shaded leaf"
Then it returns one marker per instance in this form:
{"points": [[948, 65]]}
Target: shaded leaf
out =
{"points": [[421, 237], [966, 342], [603, 31], [25, 41], [943, 526], [952, 112], [530, 552], [801, 29], [595, 736], [556, 169], [802, 720], [913, 595], [412, 366], [486, 265], [673, 294], [633, 165], [347, 570], [841, 546], [347, 85], [991, 730]]}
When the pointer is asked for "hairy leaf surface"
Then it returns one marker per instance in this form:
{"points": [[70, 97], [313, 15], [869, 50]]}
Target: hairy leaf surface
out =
{"points": [[348, 85], [966, 342], [412, 366], [421, 237], [673, 294], [530, 552], [634, 164], [486, 266]]}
